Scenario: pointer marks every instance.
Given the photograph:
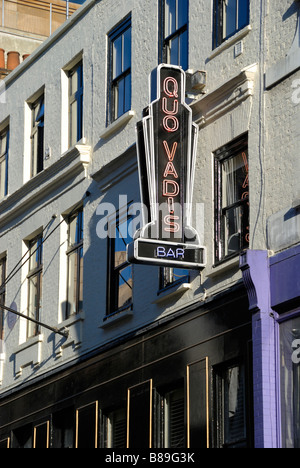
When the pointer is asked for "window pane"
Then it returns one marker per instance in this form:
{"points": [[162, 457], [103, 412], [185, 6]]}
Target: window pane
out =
{"points": [[121, 97], [174, 51], [232, 230], [127, 97], [3, 144], [243, 13], [170, 17], [183, 59], [182, 13], [117, 430], [35, 252], [235, 179], [125, 287], [123, 238], [72, 283], [174, 420], [76, 229], [127, 50], [231, 17], [80, 283], [3, 178], [74, 123], [74, 83], [117, 57], [33, 304], [234, 408]]}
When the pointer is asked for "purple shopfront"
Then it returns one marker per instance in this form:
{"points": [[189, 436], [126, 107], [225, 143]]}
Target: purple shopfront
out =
{"points": [[273, 287]]}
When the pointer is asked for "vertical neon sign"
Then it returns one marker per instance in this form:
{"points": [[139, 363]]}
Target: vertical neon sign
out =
{"points": [[166, 144]]}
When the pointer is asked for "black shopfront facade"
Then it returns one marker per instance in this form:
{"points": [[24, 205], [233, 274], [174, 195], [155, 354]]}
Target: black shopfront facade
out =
{"points": [[184, 382]]}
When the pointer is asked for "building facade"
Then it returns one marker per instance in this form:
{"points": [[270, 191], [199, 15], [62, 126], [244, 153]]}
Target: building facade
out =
{"points": [[141, 356]]}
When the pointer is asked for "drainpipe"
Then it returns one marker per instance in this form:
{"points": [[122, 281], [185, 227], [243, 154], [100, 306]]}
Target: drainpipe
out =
{"points": [[67, 9], [3, 13]]}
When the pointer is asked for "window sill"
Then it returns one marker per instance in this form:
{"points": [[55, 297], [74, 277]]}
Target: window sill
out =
{"points": [[117, 125], [114, 319], [74, 324], [226, 265], [28, 353], [231, 41], [171, 293]]}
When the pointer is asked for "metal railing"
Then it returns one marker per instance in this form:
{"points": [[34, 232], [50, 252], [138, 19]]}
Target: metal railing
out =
{"points": [[41, 17]]}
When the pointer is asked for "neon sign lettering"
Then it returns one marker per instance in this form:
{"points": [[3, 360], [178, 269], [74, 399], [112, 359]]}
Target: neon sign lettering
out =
{"points": [[166, 144], [163, 252]]}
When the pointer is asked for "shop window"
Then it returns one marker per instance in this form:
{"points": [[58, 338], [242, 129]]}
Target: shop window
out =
{"points": [[63, 428], [4, 147], [174, 419], [120, 70], [41, 436], [34, 280], [290, 382], [37, 136], [2, 295], [173, 276], [140, 416], [175, 32], [75, 264], [231, 199], [230, 407], [230, 16], [87, 426], [120, 296], [116, 429], [76, 104]]}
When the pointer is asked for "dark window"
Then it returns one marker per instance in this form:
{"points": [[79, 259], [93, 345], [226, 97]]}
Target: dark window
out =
{"points": [[232, 199], [63, 428], [175, 32], [4, 146], [172, 276], [41, 436], [75, 264], [116, 429], [120, 271], [231, 407], [174, 418], [120, 70], [230, 16], [37, 136], [2, 297], [76, 104], [34, 279], [87, 426]]}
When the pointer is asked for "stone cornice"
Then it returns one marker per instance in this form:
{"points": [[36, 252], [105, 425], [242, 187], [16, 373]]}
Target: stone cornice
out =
{"points": [[226, 97]]}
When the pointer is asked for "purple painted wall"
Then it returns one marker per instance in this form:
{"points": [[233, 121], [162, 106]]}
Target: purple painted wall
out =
{"points": [[273, 287]]}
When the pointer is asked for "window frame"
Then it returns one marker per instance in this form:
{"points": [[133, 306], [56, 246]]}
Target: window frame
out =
{"points": [[227, 152], [37, 273], [220, 405], [113, 271], [37, 136], [219, 23], [166, 40], [76, 97], [77, 249], [3, 265], [114, 82], [167, 273], [4, 160]]}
